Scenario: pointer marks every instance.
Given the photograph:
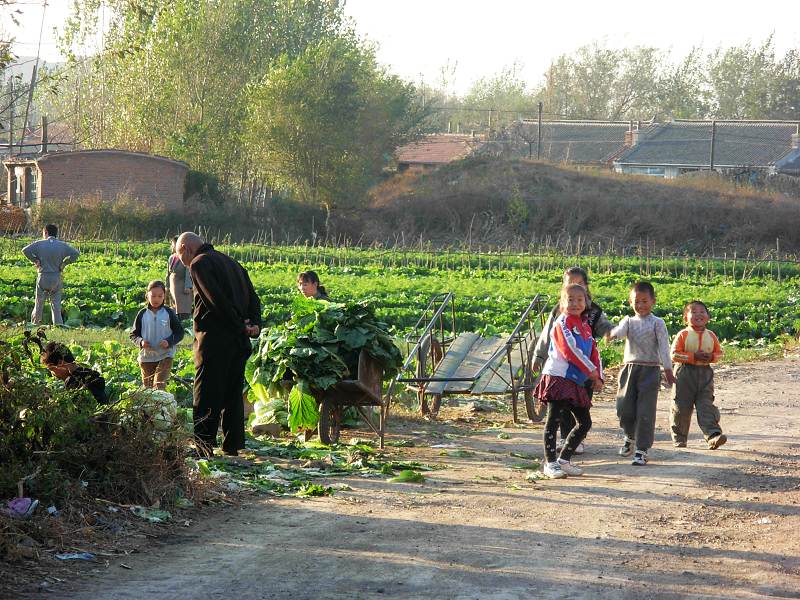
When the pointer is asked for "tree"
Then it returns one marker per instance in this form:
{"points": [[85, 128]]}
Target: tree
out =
{"points": [[501, 99], [683, 90], [323, 123], [602, 83], [744, 81], [174, 75]]}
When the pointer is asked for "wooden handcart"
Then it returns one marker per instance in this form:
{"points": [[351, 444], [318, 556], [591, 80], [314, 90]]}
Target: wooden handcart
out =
{"points": [[362, 393], [444, 362]]}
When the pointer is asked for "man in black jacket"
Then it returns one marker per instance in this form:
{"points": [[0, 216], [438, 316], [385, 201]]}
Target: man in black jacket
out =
{"points": [[227, 313]]}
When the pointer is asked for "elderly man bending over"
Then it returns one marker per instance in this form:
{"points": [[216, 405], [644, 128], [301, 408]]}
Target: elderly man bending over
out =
{"points": [[227, 313]]}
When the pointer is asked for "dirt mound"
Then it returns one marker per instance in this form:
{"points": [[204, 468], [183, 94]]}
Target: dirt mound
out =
{"points": [[497, 202]]}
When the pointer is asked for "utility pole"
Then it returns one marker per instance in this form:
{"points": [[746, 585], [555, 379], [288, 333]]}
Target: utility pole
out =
{"points": [[713, 142], [539, 134], [11, 119], [44, 135]]}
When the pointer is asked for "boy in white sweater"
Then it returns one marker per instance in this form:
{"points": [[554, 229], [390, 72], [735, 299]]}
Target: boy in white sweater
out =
{"points": [[647, 349]]}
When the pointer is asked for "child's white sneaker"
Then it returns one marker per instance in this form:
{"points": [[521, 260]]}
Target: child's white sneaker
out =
{"points": [[553, 470], [568, 468], [580, 449], [627, 448], [640, 458]]}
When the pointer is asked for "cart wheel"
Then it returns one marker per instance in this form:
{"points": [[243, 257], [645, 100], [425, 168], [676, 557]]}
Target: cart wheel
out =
{"points": [[330, 421], [432, 411], [535, 409], [433, 352]]}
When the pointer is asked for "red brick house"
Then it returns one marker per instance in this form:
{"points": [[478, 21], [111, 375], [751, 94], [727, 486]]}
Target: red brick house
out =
{"points": [[107, 174], [435, 150]]}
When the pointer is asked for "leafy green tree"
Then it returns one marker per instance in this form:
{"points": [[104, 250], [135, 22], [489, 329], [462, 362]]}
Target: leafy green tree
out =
{"points": [[173, 75], [744, 81], [601, 83], [323, 123], [683, 90], [501, 98]]}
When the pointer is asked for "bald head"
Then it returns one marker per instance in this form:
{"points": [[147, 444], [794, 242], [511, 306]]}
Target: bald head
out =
{"points": [[186, 246]]}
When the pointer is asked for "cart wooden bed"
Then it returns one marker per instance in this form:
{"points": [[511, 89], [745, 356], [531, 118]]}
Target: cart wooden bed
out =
{"points": [[443, 362]]}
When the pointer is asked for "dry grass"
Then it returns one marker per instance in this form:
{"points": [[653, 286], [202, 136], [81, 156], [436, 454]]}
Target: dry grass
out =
{"points": [[497, 202]]}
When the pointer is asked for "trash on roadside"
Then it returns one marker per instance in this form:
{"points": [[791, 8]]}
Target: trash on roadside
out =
{"points": [[76, 556], [535, 476], [182, 502], [764, 521], [52, 510], [20, 508], [151, 514]]}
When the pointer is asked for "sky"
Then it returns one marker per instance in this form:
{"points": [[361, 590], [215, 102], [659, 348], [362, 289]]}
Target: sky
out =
{"points": [[470, 39]]}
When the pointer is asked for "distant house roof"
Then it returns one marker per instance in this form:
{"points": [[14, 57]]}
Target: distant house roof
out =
{"points": [[587, 142], [437, 149], [688, 143]]}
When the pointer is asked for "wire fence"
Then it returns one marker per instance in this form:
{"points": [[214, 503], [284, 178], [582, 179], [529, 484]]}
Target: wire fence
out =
{"points": [[640, 261]]}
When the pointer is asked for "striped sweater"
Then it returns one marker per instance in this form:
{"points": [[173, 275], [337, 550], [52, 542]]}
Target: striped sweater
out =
{"points": [[689, 340]]}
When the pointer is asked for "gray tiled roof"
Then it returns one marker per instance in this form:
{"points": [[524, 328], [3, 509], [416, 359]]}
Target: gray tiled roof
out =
{"points": [[689, 143], [574, 142]]}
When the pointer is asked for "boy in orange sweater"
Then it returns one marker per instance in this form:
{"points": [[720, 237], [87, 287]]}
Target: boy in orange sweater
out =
{"points": [[694, 349]]}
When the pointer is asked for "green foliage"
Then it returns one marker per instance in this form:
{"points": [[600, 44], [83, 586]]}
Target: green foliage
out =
{"points": [[303, 413], [60, 443], [491, 289], [318, 346], [407, 476], [268, 91], [323, 121]]}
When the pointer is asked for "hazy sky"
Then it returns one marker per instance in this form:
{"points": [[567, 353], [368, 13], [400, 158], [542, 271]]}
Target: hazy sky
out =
{"points": [[416, 38]]}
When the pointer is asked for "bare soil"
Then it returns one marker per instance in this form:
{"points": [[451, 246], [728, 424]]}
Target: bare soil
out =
{"points": [[693, 523]]}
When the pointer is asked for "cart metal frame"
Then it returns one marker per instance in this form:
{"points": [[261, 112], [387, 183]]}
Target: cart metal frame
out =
{"points": [[444, 362], [364, 392]]}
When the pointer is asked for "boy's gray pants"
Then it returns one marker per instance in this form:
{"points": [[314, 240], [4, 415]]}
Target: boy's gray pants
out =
{"points": [[694, 389], [48, 286], [637, 397]]}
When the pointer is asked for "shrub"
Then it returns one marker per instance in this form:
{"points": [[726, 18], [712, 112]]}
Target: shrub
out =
{"points": [[59, 443], [12, 219]]}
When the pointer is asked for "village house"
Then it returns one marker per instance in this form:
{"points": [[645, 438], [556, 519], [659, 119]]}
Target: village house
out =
{"points": [[589, 143], [748, 148], [105, 174], [435, 150]]}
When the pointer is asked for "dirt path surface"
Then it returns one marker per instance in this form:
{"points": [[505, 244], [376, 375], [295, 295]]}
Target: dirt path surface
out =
{"points": [[693, 523]]}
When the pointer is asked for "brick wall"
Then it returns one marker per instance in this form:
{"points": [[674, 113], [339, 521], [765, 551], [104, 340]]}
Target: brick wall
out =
{"points": [[154, 180]]}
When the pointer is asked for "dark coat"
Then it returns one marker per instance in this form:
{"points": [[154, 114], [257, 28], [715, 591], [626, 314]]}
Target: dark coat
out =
{"points": [[224, 298]]}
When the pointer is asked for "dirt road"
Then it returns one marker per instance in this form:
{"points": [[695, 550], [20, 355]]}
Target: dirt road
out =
{"points": [[692, 524]]}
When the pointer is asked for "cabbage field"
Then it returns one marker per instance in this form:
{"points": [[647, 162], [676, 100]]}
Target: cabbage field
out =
{"points": [[751, 303]]}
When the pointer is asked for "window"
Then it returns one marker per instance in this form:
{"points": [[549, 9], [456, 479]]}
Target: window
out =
{"points": [[30, 175], [654, 171]]}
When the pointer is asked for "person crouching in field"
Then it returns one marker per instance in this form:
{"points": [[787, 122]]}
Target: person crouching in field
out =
{"points": [[156, 331], [572, 360], [646, 351], [694, 349], [60, 361]]}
